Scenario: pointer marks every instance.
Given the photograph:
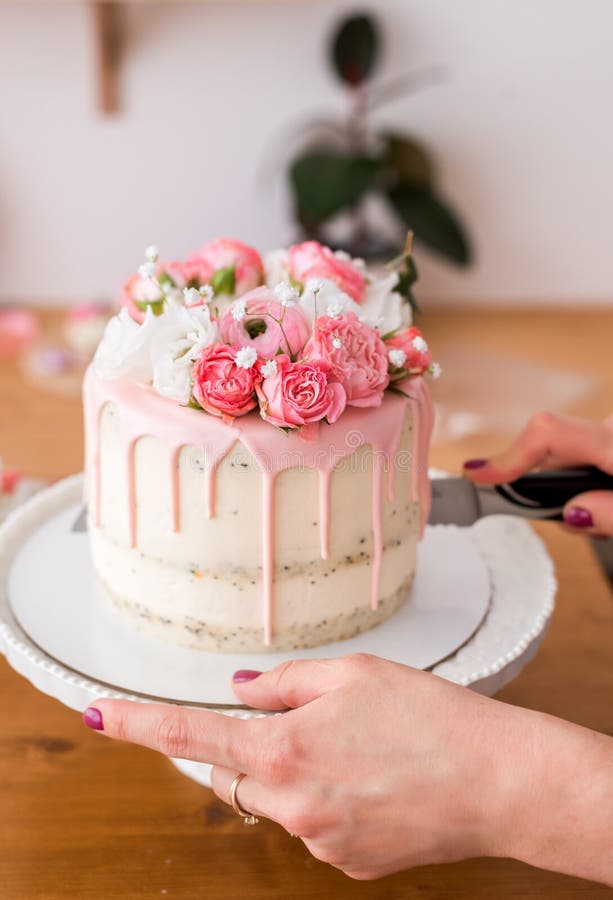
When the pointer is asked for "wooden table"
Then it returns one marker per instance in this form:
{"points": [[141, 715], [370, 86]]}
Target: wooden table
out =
{"points": [[83, 817]]}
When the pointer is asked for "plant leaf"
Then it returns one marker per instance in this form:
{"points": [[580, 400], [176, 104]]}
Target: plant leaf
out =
{"points": [[432, 221], [408, 161], [223, 281], [355, 49], [325, 183]]}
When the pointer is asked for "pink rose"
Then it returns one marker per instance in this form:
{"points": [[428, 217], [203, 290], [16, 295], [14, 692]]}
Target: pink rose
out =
{"points": [[222, 387], [357, 354], [299, 393], [193, 272], [138, 293], [259, 326], [312, 260], [235, 267], [417, 353]]}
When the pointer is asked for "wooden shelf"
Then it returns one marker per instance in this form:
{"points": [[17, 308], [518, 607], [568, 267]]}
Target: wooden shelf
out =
{"points": [[108, 32]]}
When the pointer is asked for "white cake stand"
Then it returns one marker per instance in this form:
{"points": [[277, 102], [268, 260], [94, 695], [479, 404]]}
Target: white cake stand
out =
{"points": [[478, 611]]}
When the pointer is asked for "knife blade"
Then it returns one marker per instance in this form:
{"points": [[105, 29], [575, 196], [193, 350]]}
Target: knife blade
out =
{"points": [[537, 495]]}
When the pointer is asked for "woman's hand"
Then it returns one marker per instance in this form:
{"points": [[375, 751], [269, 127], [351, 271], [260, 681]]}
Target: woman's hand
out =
{"points": [[551, 441], [379, 767]]}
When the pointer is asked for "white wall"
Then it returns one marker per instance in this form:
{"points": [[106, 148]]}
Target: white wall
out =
{"points": [[522, 129]]}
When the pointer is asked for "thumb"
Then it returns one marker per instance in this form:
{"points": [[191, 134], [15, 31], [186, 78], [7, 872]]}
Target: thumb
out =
{"points": [[591, 512], [287, 686]]}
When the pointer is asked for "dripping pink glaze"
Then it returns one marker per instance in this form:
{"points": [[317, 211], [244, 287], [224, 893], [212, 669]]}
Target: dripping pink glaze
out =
{"points": [[211, 484], [422, 412], [416, 429], [324, 512], [268, 550], [377, 533], [177, 426]]}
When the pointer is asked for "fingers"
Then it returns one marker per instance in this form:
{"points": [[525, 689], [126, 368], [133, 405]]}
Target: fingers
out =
{"points": [[250, 795], [177, 731], [591, 513], [547, 441], [288, 685]]}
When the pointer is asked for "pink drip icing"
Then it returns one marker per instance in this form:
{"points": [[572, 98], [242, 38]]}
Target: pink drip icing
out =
{"points": [[324, 512], [391, 472], [427, 426], [377, 533], [268, 551], [422, 412], [211, 491], [415, 440], [177, 426]]}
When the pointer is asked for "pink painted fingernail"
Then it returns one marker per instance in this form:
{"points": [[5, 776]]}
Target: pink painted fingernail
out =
{"points": [[93, 718], [245, 675], [475, 463], [578, 517]]}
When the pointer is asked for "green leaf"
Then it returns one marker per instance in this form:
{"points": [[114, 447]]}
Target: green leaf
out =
{"points": [[164, 278], [156, 306], [325, 183], [354, 49], [224, 281], [433, 222], [408, 161], [407, 276]]}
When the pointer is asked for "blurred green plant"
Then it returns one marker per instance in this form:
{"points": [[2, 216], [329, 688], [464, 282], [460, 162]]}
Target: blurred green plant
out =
{"points": [[343, 163]]}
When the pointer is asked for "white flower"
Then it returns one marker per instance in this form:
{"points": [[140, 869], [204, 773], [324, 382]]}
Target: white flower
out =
{"points": [[435, 370], [314, 285], [172, 295], [152, 253], [191, 296], [397, 357], [382, 307], [147, 270], [123, 351], [337, 343], [419, 344], [269, 368], [206, 291], [328, 295], [276, 266], [335, 310], [246, 357], [147, 290], [239, 310], [180, 337], [286, 293]]}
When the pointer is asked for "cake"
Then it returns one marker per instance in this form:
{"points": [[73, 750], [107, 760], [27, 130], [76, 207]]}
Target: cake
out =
{"points": [[256, 447]]}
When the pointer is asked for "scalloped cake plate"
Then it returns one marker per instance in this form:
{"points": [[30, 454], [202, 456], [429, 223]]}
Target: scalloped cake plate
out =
{"points": [[476, 619]]}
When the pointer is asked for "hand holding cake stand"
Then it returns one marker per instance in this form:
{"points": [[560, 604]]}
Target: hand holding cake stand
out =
{"points": [[477, 620]]}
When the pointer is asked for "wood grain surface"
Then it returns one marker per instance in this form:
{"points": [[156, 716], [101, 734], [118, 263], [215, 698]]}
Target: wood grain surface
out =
{"points": [[82, 817]]}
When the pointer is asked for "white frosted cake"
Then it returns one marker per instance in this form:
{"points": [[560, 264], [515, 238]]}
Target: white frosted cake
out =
{"points": [[256, 448]]}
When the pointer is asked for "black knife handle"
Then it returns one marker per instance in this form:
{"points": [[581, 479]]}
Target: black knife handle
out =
{"points": [[553, 488]]}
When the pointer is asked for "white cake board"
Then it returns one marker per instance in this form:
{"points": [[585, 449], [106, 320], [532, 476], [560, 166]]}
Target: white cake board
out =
{"points": [[57, 631]]}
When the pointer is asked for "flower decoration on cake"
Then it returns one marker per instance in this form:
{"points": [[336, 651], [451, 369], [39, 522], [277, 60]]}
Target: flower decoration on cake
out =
{"points": [[298, 338]]}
